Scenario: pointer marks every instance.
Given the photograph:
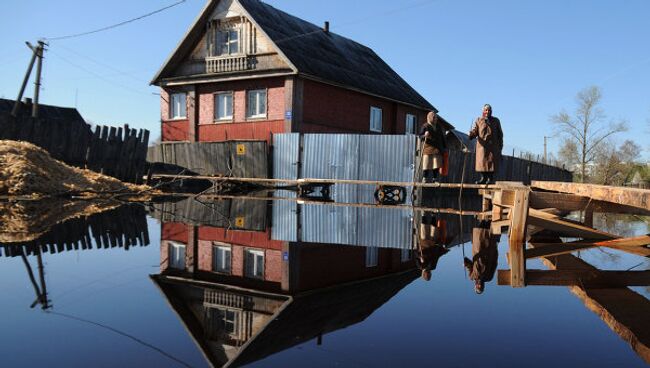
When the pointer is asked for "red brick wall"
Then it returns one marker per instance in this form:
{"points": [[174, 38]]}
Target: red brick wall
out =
{"points": [[333, 109], [257, 239], [175, 231], [175, 130], [240, 127], [323, 265]]}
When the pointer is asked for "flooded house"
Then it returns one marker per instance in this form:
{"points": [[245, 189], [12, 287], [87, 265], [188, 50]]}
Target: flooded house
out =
{"points": [[246, 70]]}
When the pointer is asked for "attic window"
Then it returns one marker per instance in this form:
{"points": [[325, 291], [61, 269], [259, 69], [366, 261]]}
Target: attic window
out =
{"points": [[227, 42]]}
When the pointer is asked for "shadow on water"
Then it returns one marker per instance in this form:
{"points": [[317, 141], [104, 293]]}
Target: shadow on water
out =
{"points": [[249, 279]]}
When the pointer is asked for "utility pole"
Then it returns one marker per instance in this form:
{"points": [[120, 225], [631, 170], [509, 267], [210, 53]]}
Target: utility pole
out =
{"points": [[37, 84], [545, 155], [37, 52]]}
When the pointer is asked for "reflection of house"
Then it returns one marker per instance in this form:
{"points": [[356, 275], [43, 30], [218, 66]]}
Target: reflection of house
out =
{"points": [[235, 327], [246, 70], [243, 296]]}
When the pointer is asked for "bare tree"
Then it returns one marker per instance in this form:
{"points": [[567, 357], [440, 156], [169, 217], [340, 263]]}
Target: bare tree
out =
{"points": [[587, 128], [568, 154]]}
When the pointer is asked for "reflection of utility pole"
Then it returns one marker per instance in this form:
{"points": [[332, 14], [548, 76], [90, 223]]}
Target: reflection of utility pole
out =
{"points": [[41, 292]]}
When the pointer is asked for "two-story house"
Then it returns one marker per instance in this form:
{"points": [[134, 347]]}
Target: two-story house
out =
{"points": [[246, 70]]}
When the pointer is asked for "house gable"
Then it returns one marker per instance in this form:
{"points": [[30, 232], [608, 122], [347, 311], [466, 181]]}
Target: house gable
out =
{"points": [[223, 43]]}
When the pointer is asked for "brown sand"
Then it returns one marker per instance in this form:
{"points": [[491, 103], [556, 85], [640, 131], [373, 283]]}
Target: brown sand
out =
{"points": [[28, 170]]}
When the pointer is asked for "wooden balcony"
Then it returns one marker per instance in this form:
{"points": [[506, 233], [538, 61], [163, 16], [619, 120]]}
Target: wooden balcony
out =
{"points": [[224, 64]]}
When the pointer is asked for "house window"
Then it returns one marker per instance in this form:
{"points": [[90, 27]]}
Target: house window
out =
{"points": [[372, 254], [178, 106], [227, 42], [256, 103], [411, 124], [254, 263], [375, 119], [177, 255], [223, 106], [230, 322], [221, 256]]}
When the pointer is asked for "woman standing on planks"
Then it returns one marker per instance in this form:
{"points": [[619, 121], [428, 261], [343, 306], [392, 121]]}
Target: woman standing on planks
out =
{"points": [[434, 146], [489, 143]]}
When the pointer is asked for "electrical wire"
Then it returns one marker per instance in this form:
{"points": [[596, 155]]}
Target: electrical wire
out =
{"points": [[114, 25]]}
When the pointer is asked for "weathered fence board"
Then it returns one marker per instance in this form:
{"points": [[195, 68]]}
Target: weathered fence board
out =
{"points": [[120, 153]]}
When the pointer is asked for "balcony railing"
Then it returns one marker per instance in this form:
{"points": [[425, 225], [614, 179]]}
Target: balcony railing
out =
{"points": [[223, 64]]}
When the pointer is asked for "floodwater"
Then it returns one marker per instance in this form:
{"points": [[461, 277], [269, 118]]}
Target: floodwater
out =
{"points": [[279, 284]]}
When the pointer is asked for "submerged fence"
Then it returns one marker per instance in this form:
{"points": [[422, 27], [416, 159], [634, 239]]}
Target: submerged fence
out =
{"points": [[118, 152]]}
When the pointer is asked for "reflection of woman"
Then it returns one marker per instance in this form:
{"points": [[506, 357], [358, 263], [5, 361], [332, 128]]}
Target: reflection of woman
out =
{"points": [[485, 256], [430, 247]]}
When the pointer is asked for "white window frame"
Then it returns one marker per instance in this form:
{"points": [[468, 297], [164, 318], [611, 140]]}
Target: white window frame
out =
{"points": [[174, 253], [178, 105], [411, 120], [376, 119], [256, 271], [229, 41], [227, 117], [221, 268], [372, 256], [257, 114]]}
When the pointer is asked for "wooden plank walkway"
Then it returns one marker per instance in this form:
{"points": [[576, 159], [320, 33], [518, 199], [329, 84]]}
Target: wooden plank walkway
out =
{"points": [[639, 198]]}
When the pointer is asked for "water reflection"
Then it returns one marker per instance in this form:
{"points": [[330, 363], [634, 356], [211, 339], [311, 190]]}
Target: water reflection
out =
{"points": [[485, 255], [245, 290]]}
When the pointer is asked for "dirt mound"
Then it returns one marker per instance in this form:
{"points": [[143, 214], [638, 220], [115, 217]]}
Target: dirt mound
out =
{"points": [[26, 169]]}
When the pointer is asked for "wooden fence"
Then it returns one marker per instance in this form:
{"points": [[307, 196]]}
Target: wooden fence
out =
{"points": [[118, 152], [123, 227], [241, 159]]}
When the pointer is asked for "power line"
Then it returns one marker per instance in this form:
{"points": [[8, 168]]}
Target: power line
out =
{"points": [[133, 90], [107, 66], [115, 25]]}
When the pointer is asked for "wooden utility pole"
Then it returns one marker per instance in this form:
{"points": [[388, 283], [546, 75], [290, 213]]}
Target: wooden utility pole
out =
{"points": [[37, 52]]}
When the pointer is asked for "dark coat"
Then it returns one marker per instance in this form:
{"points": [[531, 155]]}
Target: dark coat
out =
{"points": [[489, 143], [485, 255], [430, 252], [436, 139]]}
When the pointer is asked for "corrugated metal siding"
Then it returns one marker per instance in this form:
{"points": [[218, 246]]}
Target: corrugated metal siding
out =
{"points": [[284, 223], [352, 157], [285, 155]]}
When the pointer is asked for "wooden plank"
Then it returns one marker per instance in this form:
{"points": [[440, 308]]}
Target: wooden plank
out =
{"points": [[563, 227], [561, 201], [623, 310], [634, 197], [517, 237], [582, 278], [497, 226], [553, 249]]}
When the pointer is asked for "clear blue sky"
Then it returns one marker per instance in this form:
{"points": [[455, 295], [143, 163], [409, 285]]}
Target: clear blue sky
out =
{"points": [[527, 58]]}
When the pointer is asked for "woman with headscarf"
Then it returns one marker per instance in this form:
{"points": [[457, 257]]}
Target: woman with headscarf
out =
{"points": [[489, 143], [430, 245], [485, 256], [433, 135]]}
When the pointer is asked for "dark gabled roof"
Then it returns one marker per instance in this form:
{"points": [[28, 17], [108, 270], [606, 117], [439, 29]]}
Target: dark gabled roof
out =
{"points": [[48, 112], [330, 57], [317, 54]]}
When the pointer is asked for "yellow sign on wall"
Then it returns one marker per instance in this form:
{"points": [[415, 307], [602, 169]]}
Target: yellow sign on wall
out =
{"points": [[240, 222], [241, 149]]}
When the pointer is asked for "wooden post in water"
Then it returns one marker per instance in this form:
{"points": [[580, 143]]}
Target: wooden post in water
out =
{"points": [[517, 237]]}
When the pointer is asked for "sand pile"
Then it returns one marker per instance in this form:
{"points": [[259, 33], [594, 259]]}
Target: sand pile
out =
{"points": [[26, 169], [24, 221]]}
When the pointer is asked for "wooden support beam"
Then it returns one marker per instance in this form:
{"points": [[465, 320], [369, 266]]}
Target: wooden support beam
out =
{"points": [[554, 249], [497, 226], [561, 201], [623, 310], [566, 228], [583, 278], [639, 198], [517, 238]]}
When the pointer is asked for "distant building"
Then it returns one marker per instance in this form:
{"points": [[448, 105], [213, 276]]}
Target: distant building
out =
{"points": [[246, 70]]}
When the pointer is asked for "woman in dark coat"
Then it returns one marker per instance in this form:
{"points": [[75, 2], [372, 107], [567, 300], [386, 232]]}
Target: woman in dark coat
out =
{"points": [[434, 146], [485, 256], [489, 143]]}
